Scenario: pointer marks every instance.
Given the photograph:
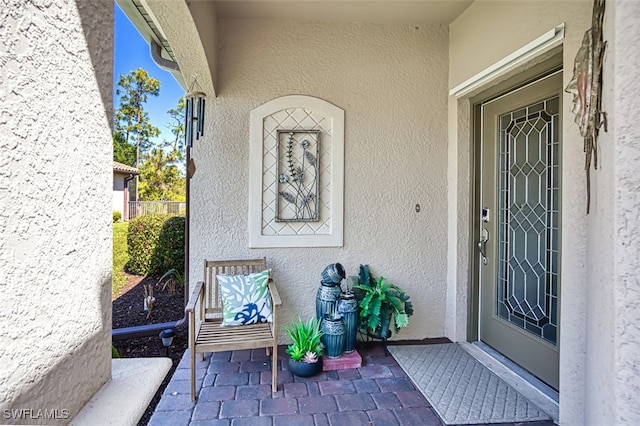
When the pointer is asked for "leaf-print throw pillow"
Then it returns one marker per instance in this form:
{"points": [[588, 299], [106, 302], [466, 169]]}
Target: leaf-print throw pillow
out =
{"points": [[245, 298]]}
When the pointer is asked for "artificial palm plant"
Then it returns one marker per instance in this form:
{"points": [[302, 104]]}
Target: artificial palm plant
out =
{"points": [[382, 305]]}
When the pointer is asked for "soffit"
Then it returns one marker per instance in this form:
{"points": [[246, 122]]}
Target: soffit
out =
{"points": [[171, 25], [367, 11]]}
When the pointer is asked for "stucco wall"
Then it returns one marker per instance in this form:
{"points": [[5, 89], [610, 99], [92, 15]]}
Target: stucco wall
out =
{"points": [[599, 284], [622, 167], [56, 63], [391, 81], [504, 27], [458, 226]]}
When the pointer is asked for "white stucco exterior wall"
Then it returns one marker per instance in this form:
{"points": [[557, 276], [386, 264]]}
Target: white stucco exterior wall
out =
{"points": [[458, 206], [600, 260], [621, 144], [485, 33], [391, 80], [56, 65]]}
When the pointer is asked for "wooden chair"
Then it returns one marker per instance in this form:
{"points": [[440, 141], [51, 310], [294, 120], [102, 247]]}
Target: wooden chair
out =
{"points": [[205, 332]]}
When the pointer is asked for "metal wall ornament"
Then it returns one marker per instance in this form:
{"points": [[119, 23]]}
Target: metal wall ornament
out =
{"points": [[298, 176], [586, 88]]}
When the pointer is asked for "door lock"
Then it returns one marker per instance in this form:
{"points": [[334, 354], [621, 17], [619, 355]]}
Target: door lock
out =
{"points": [[482, 245], [485, 214]]}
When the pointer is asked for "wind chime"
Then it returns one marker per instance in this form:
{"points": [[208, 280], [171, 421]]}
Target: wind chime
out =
{"points": [[194, 116], [194, 123]]}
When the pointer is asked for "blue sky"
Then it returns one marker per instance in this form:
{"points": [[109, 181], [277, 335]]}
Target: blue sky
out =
{"points": [[132, 52]]}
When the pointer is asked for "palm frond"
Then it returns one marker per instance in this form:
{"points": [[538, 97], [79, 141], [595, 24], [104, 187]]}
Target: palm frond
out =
{"points": [[408, 308], [381, 303]]}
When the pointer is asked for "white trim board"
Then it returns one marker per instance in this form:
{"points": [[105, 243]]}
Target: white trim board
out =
{"points": [[260, 177], [545, 42]]}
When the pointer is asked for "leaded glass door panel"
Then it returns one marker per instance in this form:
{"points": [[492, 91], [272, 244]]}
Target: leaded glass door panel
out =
{"points": [[519, 241]]}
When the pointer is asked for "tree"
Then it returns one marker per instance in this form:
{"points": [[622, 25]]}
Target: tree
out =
{"points": [[131, 120], [160, 179], [176, 126], [123, 151], [160, 165], [162, 173]]}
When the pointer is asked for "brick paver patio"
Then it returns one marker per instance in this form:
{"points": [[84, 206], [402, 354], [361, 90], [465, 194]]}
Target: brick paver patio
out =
{"points": [[234, 388]]}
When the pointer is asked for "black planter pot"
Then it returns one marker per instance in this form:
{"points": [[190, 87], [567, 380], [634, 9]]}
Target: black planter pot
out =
{"points": [[304, 369], [378, 334]]}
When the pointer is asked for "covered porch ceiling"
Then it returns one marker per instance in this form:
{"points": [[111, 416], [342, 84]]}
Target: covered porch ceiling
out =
{"points": [[183, 34], [379, 12]]}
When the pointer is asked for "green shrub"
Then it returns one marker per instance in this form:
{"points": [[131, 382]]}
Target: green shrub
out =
{"points": [[170, 249], [120, 257], [156, 244], [117, 216]]}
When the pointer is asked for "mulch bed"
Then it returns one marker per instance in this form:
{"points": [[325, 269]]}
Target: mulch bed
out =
{"points": [[128, 311]]}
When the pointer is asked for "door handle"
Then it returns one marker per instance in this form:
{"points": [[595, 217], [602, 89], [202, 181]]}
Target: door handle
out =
{"points": [[482, 245]]}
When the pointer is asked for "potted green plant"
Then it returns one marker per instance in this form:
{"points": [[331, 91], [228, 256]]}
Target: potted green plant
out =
{"points": [[305, 351], [382, 305]]}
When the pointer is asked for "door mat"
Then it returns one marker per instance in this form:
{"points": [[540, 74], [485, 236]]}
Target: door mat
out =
{"points": [[462, 390]]}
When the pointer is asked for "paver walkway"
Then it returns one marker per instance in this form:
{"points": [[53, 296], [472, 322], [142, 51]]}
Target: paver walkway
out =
{"points": [[235, 389]]}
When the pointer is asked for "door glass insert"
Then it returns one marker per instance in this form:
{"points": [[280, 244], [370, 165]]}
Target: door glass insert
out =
{"points": [[528, 191]]}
